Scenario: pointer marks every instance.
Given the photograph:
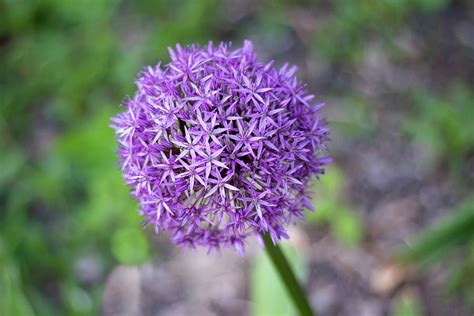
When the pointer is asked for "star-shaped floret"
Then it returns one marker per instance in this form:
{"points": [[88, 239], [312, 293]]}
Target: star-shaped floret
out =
{"points": [[192, 171], [221, 184], [209, 128], [255, 201], [188, 145], [211, 157], [245, 138]]}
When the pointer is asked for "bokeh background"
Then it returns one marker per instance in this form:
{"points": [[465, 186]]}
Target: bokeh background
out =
{"points": [[393, 231]]}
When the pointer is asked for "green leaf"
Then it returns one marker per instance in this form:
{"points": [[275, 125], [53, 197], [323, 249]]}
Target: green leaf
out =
{"points": [[327, 195], [456, 229], [268, 294], [109, 203], [90, 146], [347, 227], [130, 246], [14, 159], [78, 300], [13, 301], [407, 305], [345, 224], [442, 123]]}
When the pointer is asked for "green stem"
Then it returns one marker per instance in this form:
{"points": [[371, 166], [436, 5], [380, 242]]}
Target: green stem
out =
{"points": [[292, 285]]}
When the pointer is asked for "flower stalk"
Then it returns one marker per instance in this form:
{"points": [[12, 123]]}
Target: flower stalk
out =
{"points": [[293, 287]]}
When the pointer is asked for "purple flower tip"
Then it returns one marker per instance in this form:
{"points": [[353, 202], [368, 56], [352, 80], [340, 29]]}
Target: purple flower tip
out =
{"points": [[217, 146]]}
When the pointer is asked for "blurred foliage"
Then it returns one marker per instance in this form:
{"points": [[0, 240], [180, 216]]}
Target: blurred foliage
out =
{"points": [[13, 300], [445, 128], [407, 305], [455, 230], [452, 237], [357, 121], [330, 209], [65, 66], [354, 23]]}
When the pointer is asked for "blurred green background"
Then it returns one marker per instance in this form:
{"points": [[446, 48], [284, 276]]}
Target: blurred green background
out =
{"points": [[397, 77]]}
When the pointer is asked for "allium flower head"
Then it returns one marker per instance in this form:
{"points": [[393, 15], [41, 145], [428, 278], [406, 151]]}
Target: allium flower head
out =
{"points": [[217, 146]]}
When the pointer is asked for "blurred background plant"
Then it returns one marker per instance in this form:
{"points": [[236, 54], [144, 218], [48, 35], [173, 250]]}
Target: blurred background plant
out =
{"points": [[397, 76]]}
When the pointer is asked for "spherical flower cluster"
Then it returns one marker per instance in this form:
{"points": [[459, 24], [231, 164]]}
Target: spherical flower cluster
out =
{"points": [[217, 146]]}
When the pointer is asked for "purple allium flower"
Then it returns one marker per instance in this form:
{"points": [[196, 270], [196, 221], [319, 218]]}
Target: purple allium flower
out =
{"points": [[217, 146]]}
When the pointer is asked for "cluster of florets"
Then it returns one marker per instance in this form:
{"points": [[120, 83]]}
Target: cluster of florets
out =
{"points": [[217, 146]]}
